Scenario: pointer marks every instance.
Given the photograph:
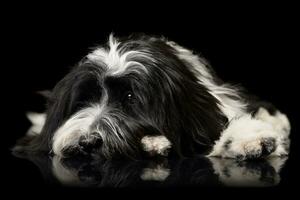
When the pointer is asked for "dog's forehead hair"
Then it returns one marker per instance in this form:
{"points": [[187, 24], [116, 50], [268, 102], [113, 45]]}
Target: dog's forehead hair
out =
{"points": [[118, 58]]}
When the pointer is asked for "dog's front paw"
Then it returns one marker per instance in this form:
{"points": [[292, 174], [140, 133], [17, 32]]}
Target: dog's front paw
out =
{"points": [[156, 145]]}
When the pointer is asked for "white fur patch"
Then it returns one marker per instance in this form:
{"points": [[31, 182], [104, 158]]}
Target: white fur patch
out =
{"points": [[157, 144], [117, 62], [244, 131], [37, 120], [79, 124], [281, 126], [279, 121], [246, 134], [230, 102]]}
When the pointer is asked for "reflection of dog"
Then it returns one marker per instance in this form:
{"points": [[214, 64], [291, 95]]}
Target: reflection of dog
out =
{"points": [[158, 172], [144, 93]]}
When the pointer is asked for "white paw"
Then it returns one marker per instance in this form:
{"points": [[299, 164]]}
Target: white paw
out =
{"points": [[156, 145]]}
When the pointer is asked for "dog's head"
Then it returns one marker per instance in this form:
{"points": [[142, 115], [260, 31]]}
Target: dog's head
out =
{"points": [[130, 88]]}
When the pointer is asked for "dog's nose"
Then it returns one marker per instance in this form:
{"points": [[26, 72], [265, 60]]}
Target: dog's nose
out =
{"points": [[97, 140], [90, 142]]}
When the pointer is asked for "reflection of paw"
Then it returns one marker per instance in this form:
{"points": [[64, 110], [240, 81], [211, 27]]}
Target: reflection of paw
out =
{"points": [[156, 145], [248, 173], [157, 173]]}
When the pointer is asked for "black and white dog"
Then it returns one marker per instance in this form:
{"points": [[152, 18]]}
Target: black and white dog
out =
{"points": [[143, 95]]}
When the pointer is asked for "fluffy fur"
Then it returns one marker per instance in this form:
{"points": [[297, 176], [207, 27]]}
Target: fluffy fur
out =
{"points": [[143, 94]]}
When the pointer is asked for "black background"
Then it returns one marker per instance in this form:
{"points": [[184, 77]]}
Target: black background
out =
{"points": [[254, 45]]}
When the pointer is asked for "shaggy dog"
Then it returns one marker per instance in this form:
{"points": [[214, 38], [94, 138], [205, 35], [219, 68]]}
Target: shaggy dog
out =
{"points": [[144, 95]]}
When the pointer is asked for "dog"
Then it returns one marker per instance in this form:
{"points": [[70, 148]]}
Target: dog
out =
{"points": [[146, 96]]}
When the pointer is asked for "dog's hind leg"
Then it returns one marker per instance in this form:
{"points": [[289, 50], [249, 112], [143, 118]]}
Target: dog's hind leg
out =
{"points": [[251, 137]]}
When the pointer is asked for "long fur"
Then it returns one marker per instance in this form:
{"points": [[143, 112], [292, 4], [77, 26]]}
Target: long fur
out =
{"points": [[139, 86]]}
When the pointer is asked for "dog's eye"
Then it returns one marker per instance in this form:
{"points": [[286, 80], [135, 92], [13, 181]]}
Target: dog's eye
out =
{"points": [[129, 97]]}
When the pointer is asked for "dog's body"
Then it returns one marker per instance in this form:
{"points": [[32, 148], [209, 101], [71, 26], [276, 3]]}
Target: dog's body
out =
{"points": [[146, 94]]}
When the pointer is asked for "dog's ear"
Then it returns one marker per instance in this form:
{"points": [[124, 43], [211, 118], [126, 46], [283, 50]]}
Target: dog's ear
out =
{"points": [[58, 102], [45, 93]]}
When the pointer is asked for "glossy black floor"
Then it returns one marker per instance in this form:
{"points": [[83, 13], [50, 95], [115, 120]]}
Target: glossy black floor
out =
{"points": [[159, 172], [253, 47]]}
